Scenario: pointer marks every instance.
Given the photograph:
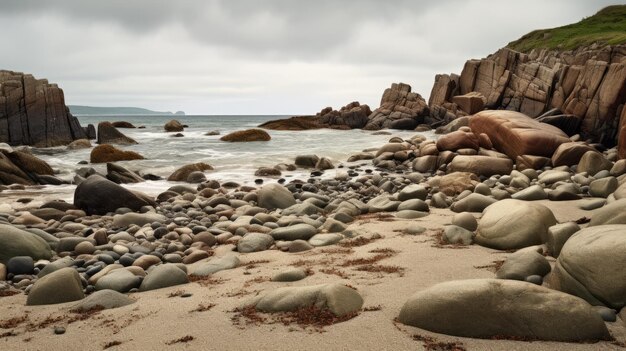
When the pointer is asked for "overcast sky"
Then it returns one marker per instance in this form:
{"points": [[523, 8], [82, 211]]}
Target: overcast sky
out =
{"points": [[259, 56]]}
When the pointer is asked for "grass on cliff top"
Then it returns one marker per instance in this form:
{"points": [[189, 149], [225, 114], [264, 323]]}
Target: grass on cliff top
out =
{"points": [[608, 26]]}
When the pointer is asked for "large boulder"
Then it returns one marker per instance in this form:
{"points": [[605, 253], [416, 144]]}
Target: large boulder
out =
{"points": [[60, 286], [217, 264], [107, 299], [173, 126], [514, 224], [272, 196], [181, 174], [516, 134], [591, 266], [97, 195], [121, 175], [247, 135], [109, 153], [253, 242], [489, 308], [399, 109], [163, 276], [108, 134], [337, 298], [522, 264], [301, 231], [593, 162], [481, 165], [457, 182], [458, 140], [15, 242], [613, 213], [120, 280], [569, 154]]}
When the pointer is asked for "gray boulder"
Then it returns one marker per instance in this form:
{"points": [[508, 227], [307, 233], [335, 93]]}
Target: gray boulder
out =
{"points": [[593, 162], [272, 196], [20, 265], [486, 308], [300, 231], [289, 275], [465, 220], [473, 203], [16, 242], [603, 187], [107, 299], [163, 276], [120, 280], [337, 298], [413, 191], [325, 239], [453, 234], [591, 266], [505, 225], [522, 264], [61, 286], [558, 235], [215, 265], [253, 242], [383, 203], [413, 205], [532, 193], [613, 213], [306, 161]]}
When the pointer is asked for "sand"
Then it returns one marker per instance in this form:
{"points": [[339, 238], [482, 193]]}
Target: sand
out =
{"points": [[157, 319]]}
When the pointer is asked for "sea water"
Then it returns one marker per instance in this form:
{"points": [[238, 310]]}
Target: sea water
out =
{"points": [[232, 161]]}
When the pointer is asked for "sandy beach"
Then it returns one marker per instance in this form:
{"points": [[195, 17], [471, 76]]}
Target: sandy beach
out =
{"points": [[157, 319]]}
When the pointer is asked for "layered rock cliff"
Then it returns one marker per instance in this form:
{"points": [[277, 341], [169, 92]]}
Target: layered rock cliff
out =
{"points": [[589, 82], [33, 112]]}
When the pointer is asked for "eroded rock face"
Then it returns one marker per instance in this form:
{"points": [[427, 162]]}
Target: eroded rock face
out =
{"points": [[586, 85], [33, 112], [485, 308], [516, 134], [399, 109]]}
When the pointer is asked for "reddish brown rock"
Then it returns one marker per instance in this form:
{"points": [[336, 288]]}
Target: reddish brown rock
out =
{"points": [[123, 124], [481, 165], [458, 140], [484, 141], [621, 140], [181, 174], [516, 134], [531, 162], [569, 154], [108, 153], [247, 135], [471, 102], [457, 182]]}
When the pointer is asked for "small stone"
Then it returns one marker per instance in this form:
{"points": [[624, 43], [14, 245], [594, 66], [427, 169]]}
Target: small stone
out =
{"points": [[59, 330]]}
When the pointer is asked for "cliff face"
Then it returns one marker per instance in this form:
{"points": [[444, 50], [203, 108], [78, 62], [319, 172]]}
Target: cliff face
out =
{"points": [[588, 82], [33, 112]]}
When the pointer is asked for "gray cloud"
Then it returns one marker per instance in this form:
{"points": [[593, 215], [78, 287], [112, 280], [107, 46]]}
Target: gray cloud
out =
{"points": [[276, 56]]}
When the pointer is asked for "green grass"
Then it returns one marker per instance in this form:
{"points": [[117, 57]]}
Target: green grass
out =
{"points": [[608, 26]]}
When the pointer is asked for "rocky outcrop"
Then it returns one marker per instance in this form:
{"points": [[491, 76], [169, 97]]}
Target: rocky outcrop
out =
{"points": [[399, 109], [589, 83], [353, 115], [108, 134], [33, 112]]}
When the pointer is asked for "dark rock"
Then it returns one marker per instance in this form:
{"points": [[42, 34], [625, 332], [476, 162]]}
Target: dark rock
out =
{"points": [[97, 195], [108, 134], [108, 153]]}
